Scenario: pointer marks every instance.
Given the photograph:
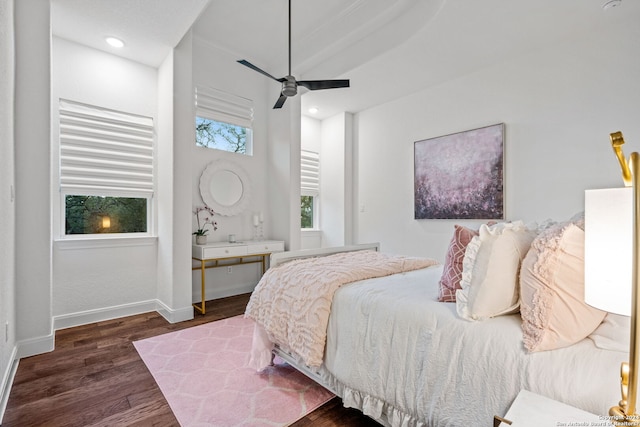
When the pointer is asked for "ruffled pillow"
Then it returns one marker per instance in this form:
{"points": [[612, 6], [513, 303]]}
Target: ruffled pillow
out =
{"points": [[554, 314], [491, 267], [452, 270]]}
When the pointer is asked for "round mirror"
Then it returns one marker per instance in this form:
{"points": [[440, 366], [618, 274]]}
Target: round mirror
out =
{"points": [[224, 187]]}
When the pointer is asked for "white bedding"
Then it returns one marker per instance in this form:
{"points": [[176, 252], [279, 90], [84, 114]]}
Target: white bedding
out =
{"points": [[403, 358], [292, 301]]}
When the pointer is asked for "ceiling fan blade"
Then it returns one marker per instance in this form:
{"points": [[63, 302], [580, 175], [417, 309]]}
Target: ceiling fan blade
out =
{"points": [[280, 102], [323, 84], [253, 67]]}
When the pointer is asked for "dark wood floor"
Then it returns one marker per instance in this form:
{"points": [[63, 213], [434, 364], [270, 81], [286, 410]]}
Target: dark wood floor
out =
{"points": [[95, 377]]}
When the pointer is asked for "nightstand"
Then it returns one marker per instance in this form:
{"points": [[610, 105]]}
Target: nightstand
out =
{"points": [[223, 254], [532, 410]]}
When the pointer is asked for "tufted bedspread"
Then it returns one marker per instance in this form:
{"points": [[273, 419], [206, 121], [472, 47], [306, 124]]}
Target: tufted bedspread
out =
{"points": [[292, 301]]}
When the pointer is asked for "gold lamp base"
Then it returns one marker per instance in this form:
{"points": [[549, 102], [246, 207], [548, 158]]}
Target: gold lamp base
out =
{"points": [[620, 418], [625, 413]]}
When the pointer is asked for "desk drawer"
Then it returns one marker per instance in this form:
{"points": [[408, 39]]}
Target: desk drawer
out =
{"points": [[224, 252], [265, 247]]}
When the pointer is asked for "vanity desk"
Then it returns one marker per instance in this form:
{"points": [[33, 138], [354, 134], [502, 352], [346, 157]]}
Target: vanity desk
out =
{"points": [[223, 254]]}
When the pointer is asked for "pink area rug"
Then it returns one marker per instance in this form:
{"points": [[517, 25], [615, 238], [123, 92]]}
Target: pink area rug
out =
{"points": [[202, 374]]}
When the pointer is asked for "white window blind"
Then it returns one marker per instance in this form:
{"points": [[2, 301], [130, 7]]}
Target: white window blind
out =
{"points": [[224, 107], [309, 173], [103, 150]]}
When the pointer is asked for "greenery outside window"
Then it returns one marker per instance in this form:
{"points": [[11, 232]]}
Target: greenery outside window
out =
{"points": [[307, 212], [223, 121], [222, 136], [309, 189], [104, 214]]}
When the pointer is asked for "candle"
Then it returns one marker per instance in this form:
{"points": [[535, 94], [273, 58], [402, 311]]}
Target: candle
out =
{"points": [[255, 220], [261, 217]]}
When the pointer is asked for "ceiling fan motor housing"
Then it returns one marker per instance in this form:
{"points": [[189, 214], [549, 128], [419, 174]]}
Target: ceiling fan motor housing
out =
{"points": [[289, 86]]}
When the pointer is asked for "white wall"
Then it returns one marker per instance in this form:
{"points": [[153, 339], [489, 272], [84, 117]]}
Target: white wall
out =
{"points": [[332, 174], [336, 171], [33, 326], [558, 105], [218, 69], [179, 305], [310, 131], [332, 138], [93, 280], [7, 206], [284, 143], [165, 190]]}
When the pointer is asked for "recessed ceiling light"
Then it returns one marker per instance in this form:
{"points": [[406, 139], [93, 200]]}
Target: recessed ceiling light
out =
{"points": [[314, 110], [114, 42]]}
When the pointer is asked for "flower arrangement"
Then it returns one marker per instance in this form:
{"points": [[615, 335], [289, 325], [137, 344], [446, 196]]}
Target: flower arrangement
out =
{"points": [[208, 220]]}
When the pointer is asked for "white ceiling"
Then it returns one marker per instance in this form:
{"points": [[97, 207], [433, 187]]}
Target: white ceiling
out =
{"points": [[387, 49], [150, 28]]}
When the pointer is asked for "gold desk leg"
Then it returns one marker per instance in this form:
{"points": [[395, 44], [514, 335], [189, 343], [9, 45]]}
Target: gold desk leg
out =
{"points": [[201, 309], [498, 420]]}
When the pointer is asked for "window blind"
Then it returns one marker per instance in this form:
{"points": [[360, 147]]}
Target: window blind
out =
{"points": [[104, 150], [224, 107], [309, 173]]}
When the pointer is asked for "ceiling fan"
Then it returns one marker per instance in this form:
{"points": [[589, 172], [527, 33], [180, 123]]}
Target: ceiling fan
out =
{"points": [[289, 83]]}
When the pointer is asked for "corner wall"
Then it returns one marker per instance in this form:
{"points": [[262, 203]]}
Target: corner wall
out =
{"points": [[336, 172], [8, 348], [103, 278], [33, 177], [216, 68], [179, 285]]}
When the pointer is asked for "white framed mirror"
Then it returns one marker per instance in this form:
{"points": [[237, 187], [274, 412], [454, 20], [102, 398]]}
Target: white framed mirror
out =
{"points": [[225, 187]]}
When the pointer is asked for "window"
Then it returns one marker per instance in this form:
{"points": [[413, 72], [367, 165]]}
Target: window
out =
{"points": [[100, 214], [106, 170], [309, 189], [223, 121], [307, 209]]}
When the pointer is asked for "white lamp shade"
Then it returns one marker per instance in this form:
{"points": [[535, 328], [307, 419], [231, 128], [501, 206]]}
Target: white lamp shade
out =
{"points": [[608, 249]]}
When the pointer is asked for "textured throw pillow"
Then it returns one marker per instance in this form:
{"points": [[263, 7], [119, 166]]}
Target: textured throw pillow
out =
{"points": [[491, 267], [554, 314], [452, 270]]}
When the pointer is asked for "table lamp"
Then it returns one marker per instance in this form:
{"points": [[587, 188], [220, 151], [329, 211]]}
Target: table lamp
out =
{"points": [[612, 239]]}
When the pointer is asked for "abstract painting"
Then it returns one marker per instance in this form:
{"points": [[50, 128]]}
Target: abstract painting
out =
{"points": [[460, 176]]}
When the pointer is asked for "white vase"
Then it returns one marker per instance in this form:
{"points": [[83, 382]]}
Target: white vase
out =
{"points": [[201, 240]]}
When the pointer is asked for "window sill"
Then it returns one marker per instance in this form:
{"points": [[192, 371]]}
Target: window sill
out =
{"points": [[104, 242]]}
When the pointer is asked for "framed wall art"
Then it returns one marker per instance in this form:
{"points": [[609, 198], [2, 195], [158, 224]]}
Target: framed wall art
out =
{"points": [[460, 176]]}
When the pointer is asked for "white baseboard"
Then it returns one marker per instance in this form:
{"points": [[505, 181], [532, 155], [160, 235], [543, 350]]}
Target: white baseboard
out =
{"points": [[172, 315], [217, 293], [33, 346], [7, 381], [115, 312], [98, 315]]}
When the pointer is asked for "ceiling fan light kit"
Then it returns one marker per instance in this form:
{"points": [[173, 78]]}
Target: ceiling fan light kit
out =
{"points": [[289, 83]]}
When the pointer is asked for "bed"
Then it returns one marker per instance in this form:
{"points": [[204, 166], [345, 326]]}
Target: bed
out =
{"points": [[404, 358]]}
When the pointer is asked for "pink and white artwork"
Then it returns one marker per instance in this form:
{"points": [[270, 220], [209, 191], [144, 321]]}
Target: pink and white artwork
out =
{"points": [[460, 176]]}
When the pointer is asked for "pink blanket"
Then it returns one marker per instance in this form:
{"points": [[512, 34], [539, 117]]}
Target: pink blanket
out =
{"points": [[292, 301]]}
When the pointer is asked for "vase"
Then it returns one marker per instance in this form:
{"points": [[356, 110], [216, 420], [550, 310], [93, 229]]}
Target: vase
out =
{"points": [[201, 240]]}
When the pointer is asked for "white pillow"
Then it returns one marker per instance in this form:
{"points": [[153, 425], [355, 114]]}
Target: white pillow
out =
{"points": [[490, 271]]}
